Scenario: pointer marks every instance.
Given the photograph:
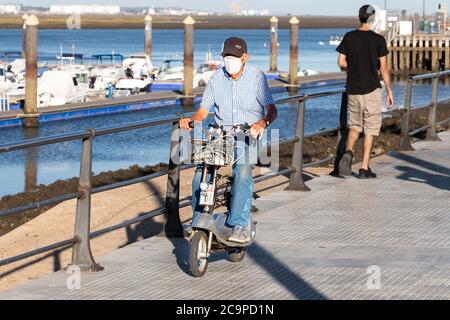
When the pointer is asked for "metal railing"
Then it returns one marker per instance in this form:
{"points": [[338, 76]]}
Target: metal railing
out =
{"points": [[405, 142], [80, 242]]}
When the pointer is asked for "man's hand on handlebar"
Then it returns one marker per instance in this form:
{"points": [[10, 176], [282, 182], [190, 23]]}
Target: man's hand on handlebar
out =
{"points": [[257, 129], [186, 124]]}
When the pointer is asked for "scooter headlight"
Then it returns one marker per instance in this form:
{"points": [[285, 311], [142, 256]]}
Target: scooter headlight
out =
{"points": [[203, 186]]}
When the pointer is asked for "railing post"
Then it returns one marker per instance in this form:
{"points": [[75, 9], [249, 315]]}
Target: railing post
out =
{"points": [[273, 44], [188, 61], [405, 143], [82, 254], [431, 131], [172, 222], [296, 182]]}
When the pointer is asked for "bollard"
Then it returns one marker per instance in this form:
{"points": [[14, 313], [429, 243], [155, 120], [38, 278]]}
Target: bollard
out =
{"points": [[431, 131], [293, 56], [273, 44], [148, 36], [188, 100], [30, 54], [296, 182], [405, 143], [81, 253], [172, 222]]}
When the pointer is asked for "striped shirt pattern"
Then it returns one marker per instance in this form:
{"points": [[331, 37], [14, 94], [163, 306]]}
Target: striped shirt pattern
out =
{"points": [[237, 101]]}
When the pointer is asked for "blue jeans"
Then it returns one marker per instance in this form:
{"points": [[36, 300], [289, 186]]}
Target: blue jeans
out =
{"points": [[241, 193]]}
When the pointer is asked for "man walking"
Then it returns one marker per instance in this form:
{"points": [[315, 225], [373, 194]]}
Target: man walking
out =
{"points": [[239, 94], [362, 53]]}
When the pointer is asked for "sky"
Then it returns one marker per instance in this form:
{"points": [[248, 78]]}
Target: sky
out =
{"points": [[297, 7]]}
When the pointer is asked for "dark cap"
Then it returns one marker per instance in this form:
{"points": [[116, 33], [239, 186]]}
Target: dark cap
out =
{"points": [[234, 46], [365, 12]]}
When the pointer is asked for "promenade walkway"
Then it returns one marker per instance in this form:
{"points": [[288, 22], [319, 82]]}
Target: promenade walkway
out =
{"points": [[387, 238]]}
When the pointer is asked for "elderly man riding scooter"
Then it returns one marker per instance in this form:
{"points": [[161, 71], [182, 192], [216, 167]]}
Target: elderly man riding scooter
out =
{"points": [[239, 94]]}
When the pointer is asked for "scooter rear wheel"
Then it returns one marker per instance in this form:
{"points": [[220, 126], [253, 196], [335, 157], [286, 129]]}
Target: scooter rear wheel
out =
{"points": [[237, 255], [198, 255]]}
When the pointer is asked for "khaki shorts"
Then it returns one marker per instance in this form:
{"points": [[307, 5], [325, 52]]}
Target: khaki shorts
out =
{"points": [[364, 112]]}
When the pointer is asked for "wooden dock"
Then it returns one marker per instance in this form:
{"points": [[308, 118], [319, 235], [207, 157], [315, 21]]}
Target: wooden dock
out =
{"points": [[419, 53]]}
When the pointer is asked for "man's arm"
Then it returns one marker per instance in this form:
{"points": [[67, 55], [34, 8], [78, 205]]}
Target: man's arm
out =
{"points": [[387, 81], [205, 106], [342, 62], [271, 115], [264, 97], [200, 115]]}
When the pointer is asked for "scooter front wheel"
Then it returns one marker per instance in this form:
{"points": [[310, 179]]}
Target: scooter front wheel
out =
{"points": [[198, 255], [237, 255]]}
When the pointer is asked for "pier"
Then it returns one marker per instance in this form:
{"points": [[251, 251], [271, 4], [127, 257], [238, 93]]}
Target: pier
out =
{"points": [[315, 245], [418, 52], [310, 245]]}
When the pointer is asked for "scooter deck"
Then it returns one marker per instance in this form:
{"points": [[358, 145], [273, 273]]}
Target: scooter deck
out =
{"points": [[216, 224]]}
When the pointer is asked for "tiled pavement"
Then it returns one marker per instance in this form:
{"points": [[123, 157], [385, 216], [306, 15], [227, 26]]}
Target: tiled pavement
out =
{"points": [[387, 238]]}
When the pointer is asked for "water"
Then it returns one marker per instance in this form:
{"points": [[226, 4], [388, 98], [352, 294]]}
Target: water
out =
{"points": [[151, 146], [169, 44]]}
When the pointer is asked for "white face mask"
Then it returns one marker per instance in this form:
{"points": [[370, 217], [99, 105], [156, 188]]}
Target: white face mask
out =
{"points": [[232, 64]]}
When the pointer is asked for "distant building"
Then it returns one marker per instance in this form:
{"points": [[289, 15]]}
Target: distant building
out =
{"points": [[442, 16], [174, 11], [10, 8], [253, 12], [84, 9]]}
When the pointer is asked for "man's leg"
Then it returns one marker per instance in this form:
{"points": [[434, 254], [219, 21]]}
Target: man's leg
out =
{"points": [[355, 123], [368, 144], [372, 127], [241, 195], [353, 136]]}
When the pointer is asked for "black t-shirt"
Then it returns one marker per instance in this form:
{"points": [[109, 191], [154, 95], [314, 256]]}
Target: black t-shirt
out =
{"points": [[363, 50]]}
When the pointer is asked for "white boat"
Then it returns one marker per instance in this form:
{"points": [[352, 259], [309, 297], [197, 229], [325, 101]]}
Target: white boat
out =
{"points": [[8, 80], [335, 40], [173, 70], [57, 87], [17, 67], [307, 72], [80, 74], [101, 77], [205, 71], [321, 43], [139, 74]]}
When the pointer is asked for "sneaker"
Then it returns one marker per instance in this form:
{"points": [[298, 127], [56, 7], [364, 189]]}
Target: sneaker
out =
{"points": [[239, 235], [366, 174], [345, 165]]}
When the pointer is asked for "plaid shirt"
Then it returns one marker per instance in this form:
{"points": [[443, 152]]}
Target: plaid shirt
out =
{"points": [[237, 101]]}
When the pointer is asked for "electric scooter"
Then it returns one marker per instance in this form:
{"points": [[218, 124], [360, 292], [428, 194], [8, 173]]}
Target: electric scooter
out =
{"points": [[209, 230]]}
